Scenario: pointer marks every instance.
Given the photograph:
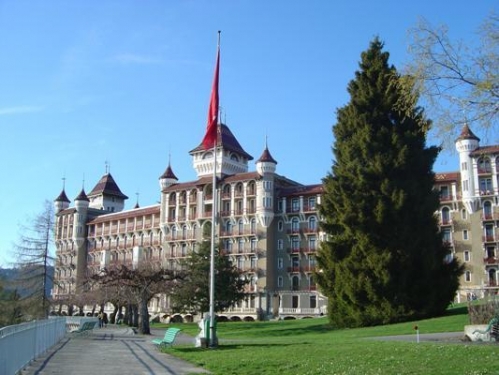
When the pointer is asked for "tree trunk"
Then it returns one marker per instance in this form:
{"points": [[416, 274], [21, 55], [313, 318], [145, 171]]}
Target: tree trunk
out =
{"points": [[144, 326]]}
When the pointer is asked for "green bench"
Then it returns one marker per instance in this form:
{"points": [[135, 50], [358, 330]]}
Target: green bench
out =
{"points": [[85, 328], [492, 329], [168, 339]]}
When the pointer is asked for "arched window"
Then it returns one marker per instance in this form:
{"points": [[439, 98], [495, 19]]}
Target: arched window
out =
{"points": [[240, 227], [295, 225], [484, 165], [228, 227], [253, 226]]}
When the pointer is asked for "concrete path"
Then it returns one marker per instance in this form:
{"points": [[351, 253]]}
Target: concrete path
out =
{"points": [[109, 351]]}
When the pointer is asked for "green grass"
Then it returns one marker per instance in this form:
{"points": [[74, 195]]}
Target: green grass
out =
{"points": [[311, 346]]}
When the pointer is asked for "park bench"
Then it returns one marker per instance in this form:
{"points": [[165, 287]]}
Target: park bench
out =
{"points": [[492, 329], [168, 339], [85, 328]]}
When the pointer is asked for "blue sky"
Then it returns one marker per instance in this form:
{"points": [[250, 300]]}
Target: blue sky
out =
{"points": [[83, 83]]}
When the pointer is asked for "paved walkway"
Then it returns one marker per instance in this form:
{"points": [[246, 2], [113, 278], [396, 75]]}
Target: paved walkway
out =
{"points": [[109, 351]]}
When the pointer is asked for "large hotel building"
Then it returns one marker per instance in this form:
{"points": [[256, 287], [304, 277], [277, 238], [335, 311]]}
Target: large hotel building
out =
{"points": [[267, 224]]}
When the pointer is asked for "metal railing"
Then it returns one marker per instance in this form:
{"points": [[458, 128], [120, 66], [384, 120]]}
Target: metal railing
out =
{"points": [[21, 343]]}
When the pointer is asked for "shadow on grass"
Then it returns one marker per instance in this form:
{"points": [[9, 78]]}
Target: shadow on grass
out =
{"points": [[235, 346]]}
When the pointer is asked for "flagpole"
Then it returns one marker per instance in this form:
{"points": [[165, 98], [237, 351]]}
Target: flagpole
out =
{"points": [[213, 338]]}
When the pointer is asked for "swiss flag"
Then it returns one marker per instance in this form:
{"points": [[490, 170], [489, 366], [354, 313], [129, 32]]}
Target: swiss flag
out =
{"points": [[210, 138]]}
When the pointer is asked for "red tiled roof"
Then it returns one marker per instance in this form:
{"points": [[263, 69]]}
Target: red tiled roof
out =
{"points": [[150, 210], [108, 186], [447, 176]]}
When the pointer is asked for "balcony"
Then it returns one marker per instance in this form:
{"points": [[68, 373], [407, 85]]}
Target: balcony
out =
{"points": [[294, 269], [445, 222], [445, 198], [488, 238], [491, 260], [297, 250]]}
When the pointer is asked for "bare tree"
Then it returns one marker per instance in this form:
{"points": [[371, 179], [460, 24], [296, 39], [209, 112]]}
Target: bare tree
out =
{"points": [[139, 285], [35, 263], [458, 82]]}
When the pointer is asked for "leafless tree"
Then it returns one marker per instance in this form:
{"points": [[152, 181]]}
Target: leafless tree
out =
{"points": [[34, 262], [138, 285], [458, 81]]}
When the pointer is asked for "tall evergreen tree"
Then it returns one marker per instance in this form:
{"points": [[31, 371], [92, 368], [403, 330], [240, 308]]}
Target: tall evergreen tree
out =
{"points": [[384, 259]]}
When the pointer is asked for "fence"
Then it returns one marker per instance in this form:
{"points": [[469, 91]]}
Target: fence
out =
{"points": [[21, 343]]}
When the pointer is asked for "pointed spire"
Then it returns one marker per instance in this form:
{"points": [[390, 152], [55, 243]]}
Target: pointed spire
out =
{"points": [[266, 157], [137, 204], [82, 196], [168, 178], [466, 133], [63, 198]]}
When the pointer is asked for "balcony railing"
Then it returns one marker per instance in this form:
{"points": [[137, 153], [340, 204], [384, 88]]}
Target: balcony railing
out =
{"points": [[490, 260]]}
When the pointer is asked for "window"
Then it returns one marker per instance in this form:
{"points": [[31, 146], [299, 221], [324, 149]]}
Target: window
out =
{"points": [[280, 244], [465, 235], [280, 263], [313, 302], [295, 261], [240, 245], [267, 202], [253, 263], [464, 166], [487, 210], [253, 244], [467, 276], [228, 246], [279, 206], [240, 263], [253, 226], [241, 227], [267, 185], [295, 243], [228, 227], [295, 225], [444, 192], [464, 214], [446, 215], [446, 235], [280, 226], [486, 186], [295, 204], [311, 203], [484, 165], [489, 232], [466, 256], [312, 243], [294, 299], [465, 185], [312, 224], [280, 282]]}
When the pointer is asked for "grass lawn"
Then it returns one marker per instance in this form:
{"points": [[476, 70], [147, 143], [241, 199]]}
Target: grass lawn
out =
{"points": [[310, 346]]}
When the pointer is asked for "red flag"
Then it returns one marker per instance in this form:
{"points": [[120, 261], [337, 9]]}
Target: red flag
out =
{"points": [[210, 137]]}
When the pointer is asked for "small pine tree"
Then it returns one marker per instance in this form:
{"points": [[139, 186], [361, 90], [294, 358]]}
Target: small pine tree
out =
{"points": [[384, 259]]}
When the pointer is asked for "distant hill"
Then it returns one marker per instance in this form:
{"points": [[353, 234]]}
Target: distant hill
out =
{"points": [[10, 274]]}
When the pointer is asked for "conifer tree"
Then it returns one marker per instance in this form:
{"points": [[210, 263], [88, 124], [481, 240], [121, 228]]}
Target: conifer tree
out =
{"points": [[383, 259]]}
